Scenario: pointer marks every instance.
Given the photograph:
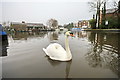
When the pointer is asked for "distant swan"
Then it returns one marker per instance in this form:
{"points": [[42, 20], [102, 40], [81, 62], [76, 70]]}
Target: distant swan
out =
{"points": [[56, 52]]}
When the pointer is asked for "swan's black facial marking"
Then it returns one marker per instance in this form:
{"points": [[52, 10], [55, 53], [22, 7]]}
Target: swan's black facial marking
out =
{"points": [[71, 33]]}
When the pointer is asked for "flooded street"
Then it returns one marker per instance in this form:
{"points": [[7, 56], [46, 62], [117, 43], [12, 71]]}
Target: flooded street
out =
{"points": [[95, 55]]}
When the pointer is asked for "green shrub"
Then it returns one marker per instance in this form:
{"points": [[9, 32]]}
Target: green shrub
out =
{"points": [[93, 23]]}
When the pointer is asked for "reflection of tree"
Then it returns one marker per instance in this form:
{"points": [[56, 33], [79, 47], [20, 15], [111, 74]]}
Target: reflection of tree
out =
{"points": [[104, 51], [4, 48], [53, 36]]}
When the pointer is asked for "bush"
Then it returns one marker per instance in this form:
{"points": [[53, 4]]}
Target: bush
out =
{"points": [[112, 22], [93, 23], [69, 26]]}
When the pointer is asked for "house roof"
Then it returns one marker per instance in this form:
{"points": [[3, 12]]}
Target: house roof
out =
{"points": [[15, 23], [34, 23], [111, 10], [28, 24]]}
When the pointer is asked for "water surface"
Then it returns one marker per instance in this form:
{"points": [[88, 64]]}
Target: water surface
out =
{"points": [[95, 55]]}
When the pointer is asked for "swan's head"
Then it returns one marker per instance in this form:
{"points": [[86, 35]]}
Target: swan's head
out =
{"points": [[69, 33]]}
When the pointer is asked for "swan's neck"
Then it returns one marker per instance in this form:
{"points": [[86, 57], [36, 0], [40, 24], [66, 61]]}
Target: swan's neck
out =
{"points": [[67, 46]]}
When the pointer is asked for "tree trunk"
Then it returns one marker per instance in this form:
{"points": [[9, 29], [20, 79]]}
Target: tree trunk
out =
{"points": [[98, 15]]}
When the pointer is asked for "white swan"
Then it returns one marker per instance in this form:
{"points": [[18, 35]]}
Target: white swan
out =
{"points": [[56, 52]]}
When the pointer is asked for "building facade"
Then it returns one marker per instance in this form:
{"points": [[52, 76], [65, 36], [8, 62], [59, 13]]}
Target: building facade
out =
{"points": [[82, 24], [27, 26], [110, 13]]}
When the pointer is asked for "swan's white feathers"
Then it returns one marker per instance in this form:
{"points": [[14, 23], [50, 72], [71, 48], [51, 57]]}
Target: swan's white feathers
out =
{"points": [[45, 51], [55, 51]]}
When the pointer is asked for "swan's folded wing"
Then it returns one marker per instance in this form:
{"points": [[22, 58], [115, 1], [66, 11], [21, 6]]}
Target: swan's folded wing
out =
{"points": [[46, 51], [56, 50]]}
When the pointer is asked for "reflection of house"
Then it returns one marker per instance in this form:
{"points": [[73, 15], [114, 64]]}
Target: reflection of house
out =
{"points": [[81, 34], [27, 26]]}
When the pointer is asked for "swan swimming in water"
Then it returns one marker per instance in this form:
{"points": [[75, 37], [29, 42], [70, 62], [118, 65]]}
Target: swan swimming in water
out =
{"points": [[56, 52]]}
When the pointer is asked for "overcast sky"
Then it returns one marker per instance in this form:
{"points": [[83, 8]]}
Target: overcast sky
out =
{"points": [[65, 11]]}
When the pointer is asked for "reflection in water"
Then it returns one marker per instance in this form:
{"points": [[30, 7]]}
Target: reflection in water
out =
{"points": [[26, 35], [81, 34], [25, 58], [53, 36], [68, 64], [4, 47], [57, 63], [104, 51]]}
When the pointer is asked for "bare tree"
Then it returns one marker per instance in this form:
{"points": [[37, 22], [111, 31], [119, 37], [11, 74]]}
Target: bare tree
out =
{"points": [[116, 5], [52, 24], [96, 6]]}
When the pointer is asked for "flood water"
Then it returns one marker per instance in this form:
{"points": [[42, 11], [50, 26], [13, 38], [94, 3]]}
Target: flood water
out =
{"points": [[95, 55]]}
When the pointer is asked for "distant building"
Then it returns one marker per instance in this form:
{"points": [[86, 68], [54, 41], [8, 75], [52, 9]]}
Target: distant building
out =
{"points": [[35, 26], [82, 24], [18, 26], [60, 27], [6, 24], [26, 26]]}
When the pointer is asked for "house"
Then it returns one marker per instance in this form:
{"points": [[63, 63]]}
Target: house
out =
{"points": [[60, 27], [114, 13], [17, 26], [35, 26], [83, 24], [110, 13]]}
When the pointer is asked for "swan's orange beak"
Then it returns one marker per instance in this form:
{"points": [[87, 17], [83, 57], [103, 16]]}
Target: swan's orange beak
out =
{"points": [[71, 34]]}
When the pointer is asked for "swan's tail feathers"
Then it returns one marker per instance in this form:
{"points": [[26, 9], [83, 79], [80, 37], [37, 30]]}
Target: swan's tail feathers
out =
{"points": [[45, 51]]}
